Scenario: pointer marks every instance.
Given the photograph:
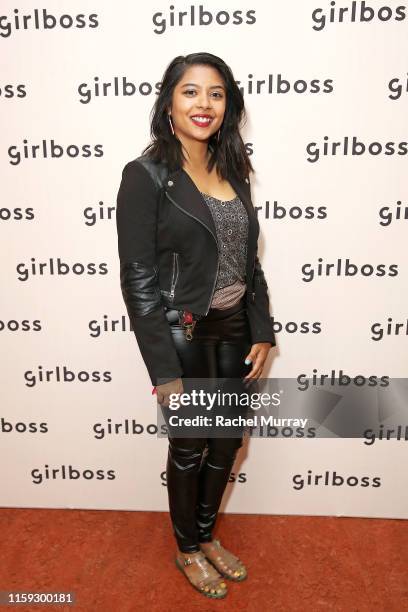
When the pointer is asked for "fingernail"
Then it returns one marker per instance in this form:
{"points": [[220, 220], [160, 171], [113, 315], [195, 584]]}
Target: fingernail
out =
{"points": [[248, 361]]}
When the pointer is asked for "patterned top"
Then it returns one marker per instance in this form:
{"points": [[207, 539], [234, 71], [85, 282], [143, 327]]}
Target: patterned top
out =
{"points": [[231, 223]]}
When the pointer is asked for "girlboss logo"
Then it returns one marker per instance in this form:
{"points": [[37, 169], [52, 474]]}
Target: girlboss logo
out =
{"points": [[51, 150], [44, 20], [361, 12], [58, 267], [13, 91], [198, 16]]}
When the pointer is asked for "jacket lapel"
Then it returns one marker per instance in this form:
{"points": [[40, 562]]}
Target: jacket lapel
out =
{"points": [[181, 189]]}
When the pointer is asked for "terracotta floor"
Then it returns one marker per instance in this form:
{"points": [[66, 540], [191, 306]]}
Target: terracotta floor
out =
{"points": [[123, 561]]}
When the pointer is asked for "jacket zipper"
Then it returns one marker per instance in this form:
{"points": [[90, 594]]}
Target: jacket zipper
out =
{"points": [[174, 275], [216, 242]]}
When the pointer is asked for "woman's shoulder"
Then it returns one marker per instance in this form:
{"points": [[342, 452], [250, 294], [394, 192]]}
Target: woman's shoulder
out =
{"points": [[158, 171]]}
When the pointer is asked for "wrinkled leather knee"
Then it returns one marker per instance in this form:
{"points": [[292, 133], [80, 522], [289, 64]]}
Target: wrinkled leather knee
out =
{"points": [[185, 456]]}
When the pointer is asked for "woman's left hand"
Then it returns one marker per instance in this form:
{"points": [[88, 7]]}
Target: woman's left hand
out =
{"points": [[257, 355]]}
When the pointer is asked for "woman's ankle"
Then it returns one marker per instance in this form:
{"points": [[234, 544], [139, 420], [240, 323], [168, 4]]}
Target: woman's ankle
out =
{"points": [[187, 554]]}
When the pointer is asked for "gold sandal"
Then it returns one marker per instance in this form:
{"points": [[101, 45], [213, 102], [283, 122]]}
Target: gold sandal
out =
{"points": [[209, 585], [232, 568]]}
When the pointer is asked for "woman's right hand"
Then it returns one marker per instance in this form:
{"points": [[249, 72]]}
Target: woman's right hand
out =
{"points": [[164, 391]]}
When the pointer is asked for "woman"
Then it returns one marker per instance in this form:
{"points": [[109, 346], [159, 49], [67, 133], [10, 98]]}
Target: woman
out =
{"points": [[193, 285]]}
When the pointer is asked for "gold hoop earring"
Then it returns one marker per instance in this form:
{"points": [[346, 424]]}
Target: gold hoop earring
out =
{"points": [[171, 124]]}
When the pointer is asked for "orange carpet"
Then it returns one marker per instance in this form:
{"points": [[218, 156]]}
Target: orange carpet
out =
{"points": [[123, 561]]}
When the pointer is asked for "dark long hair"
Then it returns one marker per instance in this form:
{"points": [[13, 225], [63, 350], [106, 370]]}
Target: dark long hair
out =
{"points": [[229, 152]]}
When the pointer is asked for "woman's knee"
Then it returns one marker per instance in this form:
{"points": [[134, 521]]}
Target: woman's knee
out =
{"points": [[186, 452]]}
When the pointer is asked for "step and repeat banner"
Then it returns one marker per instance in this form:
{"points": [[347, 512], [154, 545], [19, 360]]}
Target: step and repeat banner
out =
{"points": [[326, 91]]}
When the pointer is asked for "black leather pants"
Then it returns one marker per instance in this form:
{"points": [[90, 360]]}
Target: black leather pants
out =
{"points": [[198, 469]]}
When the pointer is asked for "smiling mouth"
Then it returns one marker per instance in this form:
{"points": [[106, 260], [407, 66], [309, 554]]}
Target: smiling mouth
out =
{"points": [[201, 121]]}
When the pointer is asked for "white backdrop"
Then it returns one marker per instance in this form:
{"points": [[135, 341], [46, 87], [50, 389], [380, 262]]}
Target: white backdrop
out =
{"points": [[342, 75]]}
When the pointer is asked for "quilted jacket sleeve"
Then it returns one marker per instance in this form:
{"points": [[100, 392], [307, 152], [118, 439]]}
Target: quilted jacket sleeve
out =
{"points": [[136, 215]]}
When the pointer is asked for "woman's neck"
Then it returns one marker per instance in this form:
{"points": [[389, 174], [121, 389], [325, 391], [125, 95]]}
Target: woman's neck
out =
{"points": [[197, 156]]}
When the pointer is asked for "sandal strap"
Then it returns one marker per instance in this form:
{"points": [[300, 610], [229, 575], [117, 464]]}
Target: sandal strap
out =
{"points": [[204, 565], [198, 559], [228, 555]]}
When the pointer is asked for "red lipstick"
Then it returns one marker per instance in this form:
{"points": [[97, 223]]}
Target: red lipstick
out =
{"points": [[195, 119]]}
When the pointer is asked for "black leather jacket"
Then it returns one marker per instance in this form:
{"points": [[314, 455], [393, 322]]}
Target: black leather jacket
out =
{"points": [[169, 257]]}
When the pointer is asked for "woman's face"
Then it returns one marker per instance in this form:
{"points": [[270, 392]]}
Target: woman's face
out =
{"points": [[200, 92]]}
